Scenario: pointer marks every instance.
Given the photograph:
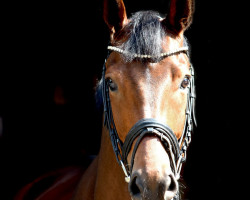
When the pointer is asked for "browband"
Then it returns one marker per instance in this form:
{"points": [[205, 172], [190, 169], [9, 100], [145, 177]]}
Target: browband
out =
{"points": [[166, 54]]}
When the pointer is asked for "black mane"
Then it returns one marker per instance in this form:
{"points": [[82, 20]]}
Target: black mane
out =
{"points": [[145, 35]]}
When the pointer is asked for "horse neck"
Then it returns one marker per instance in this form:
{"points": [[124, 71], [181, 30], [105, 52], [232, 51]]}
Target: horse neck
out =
{"points": [[110, 182]]}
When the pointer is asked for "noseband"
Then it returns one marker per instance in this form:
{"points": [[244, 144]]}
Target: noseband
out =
{"points": [[144, 127]]}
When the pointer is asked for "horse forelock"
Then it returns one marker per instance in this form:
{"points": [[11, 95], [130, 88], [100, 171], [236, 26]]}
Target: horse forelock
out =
{"points": [[144, 35]]}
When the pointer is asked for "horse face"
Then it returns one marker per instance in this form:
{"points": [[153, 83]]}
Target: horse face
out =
{"points": [[148, 90], [140, 89]]}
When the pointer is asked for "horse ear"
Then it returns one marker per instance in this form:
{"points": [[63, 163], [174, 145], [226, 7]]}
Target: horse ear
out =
{"points": [[114, 14], [180, 15]]}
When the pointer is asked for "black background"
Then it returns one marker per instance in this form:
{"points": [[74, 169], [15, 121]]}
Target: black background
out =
{"points": [[60, 46]]}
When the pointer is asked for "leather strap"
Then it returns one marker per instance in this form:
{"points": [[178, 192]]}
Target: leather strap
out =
{"points": [[144, 127]]}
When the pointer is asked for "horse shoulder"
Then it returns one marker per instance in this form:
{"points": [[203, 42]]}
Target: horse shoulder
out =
{"points": [[86, 187], [58, 184]]}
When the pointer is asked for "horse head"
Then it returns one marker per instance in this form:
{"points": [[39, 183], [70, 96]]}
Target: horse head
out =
{"points": [[146, 88]]}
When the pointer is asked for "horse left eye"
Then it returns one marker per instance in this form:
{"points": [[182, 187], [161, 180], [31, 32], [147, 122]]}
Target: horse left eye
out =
{"points": [[185, 82]]}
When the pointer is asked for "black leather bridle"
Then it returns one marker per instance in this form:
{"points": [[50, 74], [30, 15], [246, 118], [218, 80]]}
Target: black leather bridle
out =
{"points": [[175, 148]]}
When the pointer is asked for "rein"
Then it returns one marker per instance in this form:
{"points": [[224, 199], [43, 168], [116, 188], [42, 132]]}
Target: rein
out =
{"points": [[175, 148]]}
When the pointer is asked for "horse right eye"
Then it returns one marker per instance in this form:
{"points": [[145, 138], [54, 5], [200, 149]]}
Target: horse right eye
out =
{"points": [[112, 86]]}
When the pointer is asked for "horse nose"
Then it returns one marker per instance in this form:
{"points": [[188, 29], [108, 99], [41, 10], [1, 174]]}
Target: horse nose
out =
{"points": [[144, 188]]}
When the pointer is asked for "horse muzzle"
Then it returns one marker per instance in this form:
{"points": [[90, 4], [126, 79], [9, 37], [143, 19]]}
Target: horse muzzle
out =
{"points": [[144, 187], [157, 178]]}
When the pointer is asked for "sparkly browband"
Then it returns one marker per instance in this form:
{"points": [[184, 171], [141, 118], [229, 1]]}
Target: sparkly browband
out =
{"points": [[166, 54]]}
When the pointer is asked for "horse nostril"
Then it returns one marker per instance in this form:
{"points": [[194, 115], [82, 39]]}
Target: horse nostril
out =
{"points": [[145, 187], [172, 185], [134, 188]]}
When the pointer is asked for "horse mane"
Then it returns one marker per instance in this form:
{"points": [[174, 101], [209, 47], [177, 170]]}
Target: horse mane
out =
{"points": [[144, 35]]}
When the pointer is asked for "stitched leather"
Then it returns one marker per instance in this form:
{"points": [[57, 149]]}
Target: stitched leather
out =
{"points": [[146, 127]]}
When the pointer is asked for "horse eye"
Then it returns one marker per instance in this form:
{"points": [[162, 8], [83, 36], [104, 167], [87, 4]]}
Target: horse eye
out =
{"points": [[185, 82], [112, 86]]}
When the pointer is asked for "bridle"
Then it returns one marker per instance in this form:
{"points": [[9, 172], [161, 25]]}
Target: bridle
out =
{"points": [[175, 148]]}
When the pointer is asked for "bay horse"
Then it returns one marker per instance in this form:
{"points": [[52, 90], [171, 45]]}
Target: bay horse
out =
{"points": [[147, 88], [147, 92]]}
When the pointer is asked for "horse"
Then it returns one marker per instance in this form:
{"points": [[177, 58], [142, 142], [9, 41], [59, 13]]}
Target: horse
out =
{"points": [[147, 88], [148, 96]]}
